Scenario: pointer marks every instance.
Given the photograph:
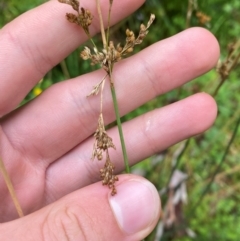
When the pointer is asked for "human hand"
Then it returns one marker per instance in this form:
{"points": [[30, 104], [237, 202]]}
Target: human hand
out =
{"points": [[46, 145]]}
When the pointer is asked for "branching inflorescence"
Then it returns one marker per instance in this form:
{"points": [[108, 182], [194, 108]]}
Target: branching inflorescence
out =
{"points": [[106, 58]]}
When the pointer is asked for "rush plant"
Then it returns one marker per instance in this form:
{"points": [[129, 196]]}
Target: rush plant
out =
{"points": [[106, 57]]}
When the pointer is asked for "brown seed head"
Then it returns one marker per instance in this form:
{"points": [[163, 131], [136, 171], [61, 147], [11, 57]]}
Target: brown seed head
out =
{"points": [[203, 18], [107, 176], [73, 3], [72, 18]]}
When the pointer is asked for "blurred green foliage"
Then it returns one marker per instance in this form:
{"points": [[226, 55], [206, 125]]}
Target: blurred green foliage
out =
{"points": [[217, 217]]}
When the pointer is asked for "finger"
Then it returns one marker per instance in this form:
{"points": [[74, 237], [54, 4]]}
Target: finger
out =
{"points": [[93, 214], [62, 117], [144, 136], [39, 39]]}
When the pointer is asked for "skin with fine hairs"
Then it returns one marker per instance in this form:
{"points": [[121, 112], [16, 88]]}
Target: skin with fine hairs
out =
{"points": [[46, 145]]}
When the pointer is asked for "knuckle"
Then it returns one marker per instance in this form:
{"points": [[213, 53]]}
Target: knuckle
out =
{"points": [[64, 225]]}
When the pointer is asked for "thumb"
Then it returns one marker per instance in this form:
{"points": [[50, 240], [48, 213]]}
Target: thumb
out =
{"points": [[91, 213]]}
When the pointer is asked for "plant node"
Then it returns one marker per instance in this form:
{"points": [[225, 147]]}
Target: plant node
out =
{"points": [[113, 54]]}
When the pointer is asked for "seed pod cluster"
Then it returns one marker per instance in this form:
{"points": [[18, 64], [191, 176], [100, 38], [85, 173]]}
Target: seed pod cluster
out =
{"points": [[112, 53], [101, 145], [107, 175], [102, 141], [83, 17]]}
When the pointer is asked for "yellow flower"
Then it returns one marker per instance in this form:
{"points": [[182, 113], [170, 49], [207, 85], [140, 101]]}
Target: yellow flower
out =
{"points": [[37, 91]]}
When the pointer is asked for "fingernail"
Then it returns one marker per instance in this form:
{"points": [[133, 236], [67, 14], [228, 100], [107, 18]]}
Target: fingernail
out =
{"points": [[136, 205]]}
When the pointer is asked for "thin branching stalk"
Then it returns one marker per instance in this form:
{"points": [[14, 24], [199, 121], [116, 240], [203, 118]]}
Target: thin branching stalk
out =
{"points": [[224, 69], [189, 13], [193, 209], [101, 99], [223, 79], [10, 188], [192, 6], [90, 37]]}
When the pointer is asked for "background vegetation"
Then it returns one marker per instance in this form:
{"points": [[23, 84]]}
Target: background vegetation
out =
{"points": [[207, 165]]}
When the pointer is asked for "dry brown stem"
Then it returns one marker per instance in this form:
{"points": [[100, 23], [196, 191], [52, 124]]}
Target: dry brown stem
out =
{"points": [[224, 68], [11, 188], [104, 40]]}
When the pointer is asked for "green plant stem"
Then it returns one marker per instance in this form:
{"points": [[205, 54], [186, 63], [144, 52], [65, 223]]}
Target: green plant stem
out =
{"points": [[93, 43], [90, 38], [218, 168], [119, 124], [10, 188], [65, 69]]}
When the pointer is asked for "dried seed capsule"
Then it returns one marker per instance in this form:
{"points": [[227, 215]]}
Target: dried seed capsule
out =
{"points": [[129, 50]]}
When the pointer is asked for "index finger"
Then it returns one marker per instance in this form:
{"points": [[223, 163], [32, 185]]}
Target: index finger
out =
{"points": [[39, 39]]}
